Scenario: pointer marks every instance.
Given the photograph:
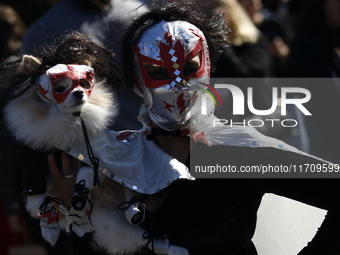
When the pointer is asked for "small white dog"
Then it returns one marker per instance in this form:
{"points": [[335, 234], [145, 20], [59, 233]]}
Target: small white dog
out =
{"points": [[47, 116]]}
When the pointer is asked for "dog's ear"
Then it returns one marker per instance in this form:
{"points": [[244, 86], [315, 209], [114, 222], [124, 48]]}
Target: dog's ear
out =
{"points": [[29, 64], [84, 62]]}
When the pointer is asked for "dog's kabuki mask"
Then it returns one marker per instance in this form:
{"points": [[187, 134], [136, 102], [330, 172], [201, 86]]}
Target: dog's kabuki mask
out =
{"points": [[57, 82], [172, 102]]}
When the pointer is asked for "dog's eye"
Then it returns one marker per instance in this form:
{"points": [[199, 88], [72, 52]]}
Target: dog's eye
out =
{"points": [[62, 85], [59, 89], [84, 84]]}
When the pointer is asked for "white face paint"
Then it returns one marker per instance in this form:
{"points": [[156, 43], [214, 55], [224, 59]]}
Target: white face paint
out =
{"points": [[173, 71]]}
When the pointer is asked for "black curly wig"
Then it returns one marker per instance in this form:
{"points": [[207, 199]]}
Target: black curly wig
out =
{"points": [[197, 13], [71, 48]]}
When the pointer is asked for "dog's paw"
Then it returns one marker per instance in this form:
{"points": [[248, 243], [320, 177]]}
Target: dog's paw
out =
{"points": [[176, 250], [162, 247], [81, 198], [33, 204], [85, 173], [135, 213]]}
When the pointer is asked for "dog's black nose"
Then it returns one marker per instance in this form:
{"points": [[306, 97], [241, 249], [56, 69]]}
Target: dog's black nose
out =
{"points": [[78, 94]]}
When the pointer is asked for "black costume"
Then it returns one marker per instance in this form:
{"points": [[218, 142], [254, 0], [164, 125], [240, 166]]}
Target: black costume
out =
{"points": [[224, 210]]}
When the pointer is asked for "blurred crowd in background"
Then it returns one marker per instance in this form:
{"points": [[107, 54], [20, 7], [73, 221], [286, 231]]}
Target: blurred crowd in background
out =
{"points": [[267, 38]]}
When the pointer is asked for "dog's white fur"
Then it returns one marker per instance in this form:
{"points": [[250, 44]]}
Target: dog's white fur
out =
{"points": [[44, 127]]}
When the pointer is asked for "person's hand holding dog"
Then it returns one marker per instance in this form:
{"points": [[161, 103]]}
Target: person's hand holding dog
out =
{"points": [[63, 180]]}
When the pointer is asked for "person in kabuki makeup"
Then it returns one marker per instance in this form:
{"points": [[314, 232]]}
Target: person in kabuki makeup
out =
{"points": [[166, 55]]}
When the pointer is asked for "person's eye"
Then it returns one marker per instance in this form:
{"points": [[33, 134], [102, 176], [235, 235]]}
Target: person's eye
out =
{"points": [[192, 66], [189, 70], [158, 73], [62, 85]]}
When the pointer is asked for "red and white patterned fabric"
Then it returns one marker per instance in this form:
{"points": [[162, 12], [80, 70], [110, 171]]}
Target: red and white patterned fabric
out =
{"points": [[173, 103]]}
